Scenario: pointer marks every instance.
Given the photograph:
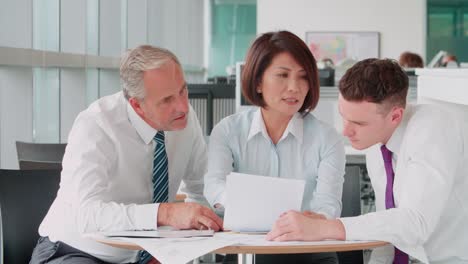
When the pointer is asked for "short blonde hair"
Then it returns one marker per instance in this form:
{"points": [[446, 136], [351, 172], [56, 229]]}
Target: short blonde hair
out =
{"points": [[138, 60]]}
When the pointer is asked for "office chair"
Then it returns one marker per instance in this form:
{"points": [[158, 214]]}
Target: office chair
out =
{"points": [[25, 197], [212, 102], [39, 165], [351, 201], [201, 100], [40, 156]]}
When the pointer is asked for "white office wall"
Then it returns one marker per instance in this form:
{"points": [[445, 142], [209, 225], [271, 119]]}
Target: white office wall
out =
{"points": [[178, 25], [73, 39], [72, 98], [109, 82], [98, 27], [73, 26], [16, 23], [110, 42], [15, 82], [137, 28], [109, 28], [401, 23], [15, 112]]}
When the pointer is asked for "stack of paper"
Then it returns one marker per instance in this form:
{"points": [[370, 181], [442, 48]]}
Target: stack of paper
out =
{"points": [[254, 203]]}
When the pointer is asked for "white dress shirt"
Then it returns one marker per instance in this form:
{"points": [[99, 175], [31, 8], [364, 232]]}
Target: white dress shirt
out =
{"points": [[106, 181], [430, 221], [308, 150]]}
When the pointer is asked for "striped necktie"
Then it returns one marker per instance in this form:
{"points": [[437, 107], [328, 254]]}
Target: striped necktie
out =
{"points": [[400, 256], [160, 180], [160, 170]]}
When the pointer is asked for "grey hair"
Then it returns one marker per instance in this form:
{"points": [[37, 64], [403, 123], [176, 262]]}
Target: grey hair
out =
{"points": [[138, 60]]}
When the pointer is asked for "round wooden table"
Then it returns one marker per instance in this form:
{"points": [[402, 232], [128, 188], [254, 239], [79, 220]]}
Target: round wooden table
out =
{"points": [[246, 253], [296, 249]]}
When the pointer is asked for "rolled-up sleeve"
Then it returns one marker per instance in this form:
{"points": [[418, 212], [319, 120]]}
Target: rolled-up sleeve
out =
{"points": [[220, 164], [331, 169]]}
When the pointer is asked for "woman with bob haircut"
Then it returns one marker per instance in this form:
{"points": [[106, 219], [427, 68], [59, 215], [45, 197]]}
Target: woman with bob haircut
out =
{"points": [[280, 137]]}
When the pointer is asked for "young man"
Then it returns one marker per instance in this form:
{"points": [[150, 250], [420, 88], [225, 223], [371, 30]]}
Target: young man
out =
{"points": [[417, 163], [125, 159]]}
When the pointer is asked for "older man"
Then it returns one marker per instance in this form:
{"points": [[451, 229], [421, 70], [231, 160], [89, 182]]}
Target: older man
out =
{"points": [[126, 157]]}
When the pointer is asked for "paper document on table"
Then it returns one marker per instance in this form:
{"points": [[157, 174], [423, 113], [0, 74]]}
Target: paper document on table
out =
{"points": [[254, 203], [160, 233], [243, 239], [183, 250], [179, 250]]}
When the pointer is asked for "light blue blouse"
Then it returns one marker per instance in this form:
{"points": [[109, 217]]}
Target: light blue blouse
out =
{"points": [[308, 149]]}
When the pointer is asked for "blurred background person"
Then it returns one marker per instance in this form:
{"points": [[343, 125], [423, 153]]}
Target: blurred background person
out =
{"points": [[449, 61], [410, 60]]}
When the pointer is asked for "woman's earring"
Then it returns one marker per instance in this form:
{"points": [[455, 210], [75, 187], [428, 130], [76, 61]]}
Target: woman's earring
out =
{"points": [[259, 91]]}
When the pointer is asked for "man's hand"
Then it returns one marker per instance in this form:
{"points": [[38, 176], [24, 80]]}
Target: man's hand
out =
{"points": [[296, 226], [188, 216]]}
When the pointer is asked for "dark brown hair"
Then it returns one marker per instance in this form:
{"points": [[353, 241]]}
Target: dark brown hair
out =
{"points": [[260, 56], [410, 60], [380, 81]]}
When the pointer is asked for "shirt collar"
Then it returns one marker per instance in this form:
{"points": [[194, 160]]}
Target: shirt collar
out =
{"points": [[395, 140], [145, 131], [295, 127]]}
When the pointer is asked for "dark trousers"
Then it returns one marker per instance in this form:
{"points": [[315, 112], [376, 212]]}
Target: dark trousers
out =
{"points": [[312, 258], [59, 252]]}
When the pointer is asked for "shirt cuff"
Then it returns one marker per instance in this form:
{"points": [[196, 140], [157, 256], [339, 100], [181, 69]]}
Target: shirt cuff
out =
{"points": [[146, 216], [351, 226], [221, 199]]}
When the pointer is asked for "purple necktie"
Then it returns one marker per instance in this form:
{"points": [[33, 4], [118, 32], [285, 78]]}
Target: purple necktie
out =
{"points": [[400, 257]]}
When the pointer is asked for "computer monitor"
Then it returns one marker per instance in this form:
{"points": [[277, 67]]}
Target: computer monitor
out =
{"points": [[241, 102], [437, 59]]}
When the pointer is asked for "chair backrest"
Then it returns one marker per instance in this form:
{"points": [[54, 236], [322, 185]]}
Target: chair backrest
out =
{"points": [[351, 201], [212, 102], [39, 155], [39, 165], [351, 198], [201, 100], [25, 197]]}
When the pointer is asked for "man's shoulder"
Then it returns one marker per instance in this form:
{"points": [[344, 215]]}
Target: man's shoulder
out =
{"points": [[424, 117], [111, 107], [433, 112], [103, 114], [106, 104]]}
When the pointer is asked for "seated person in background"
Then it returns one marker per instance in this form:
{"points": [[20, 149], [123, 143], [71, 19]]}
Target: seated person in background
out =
{"points": [[280, 138], [449, 61], [410, 60], [327, 63], [125, 159], [417, 162]]}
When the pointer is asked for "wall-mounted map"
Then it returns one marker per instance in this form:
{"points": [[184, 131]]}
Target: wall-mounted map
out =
{"points": [[339, 46]]}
